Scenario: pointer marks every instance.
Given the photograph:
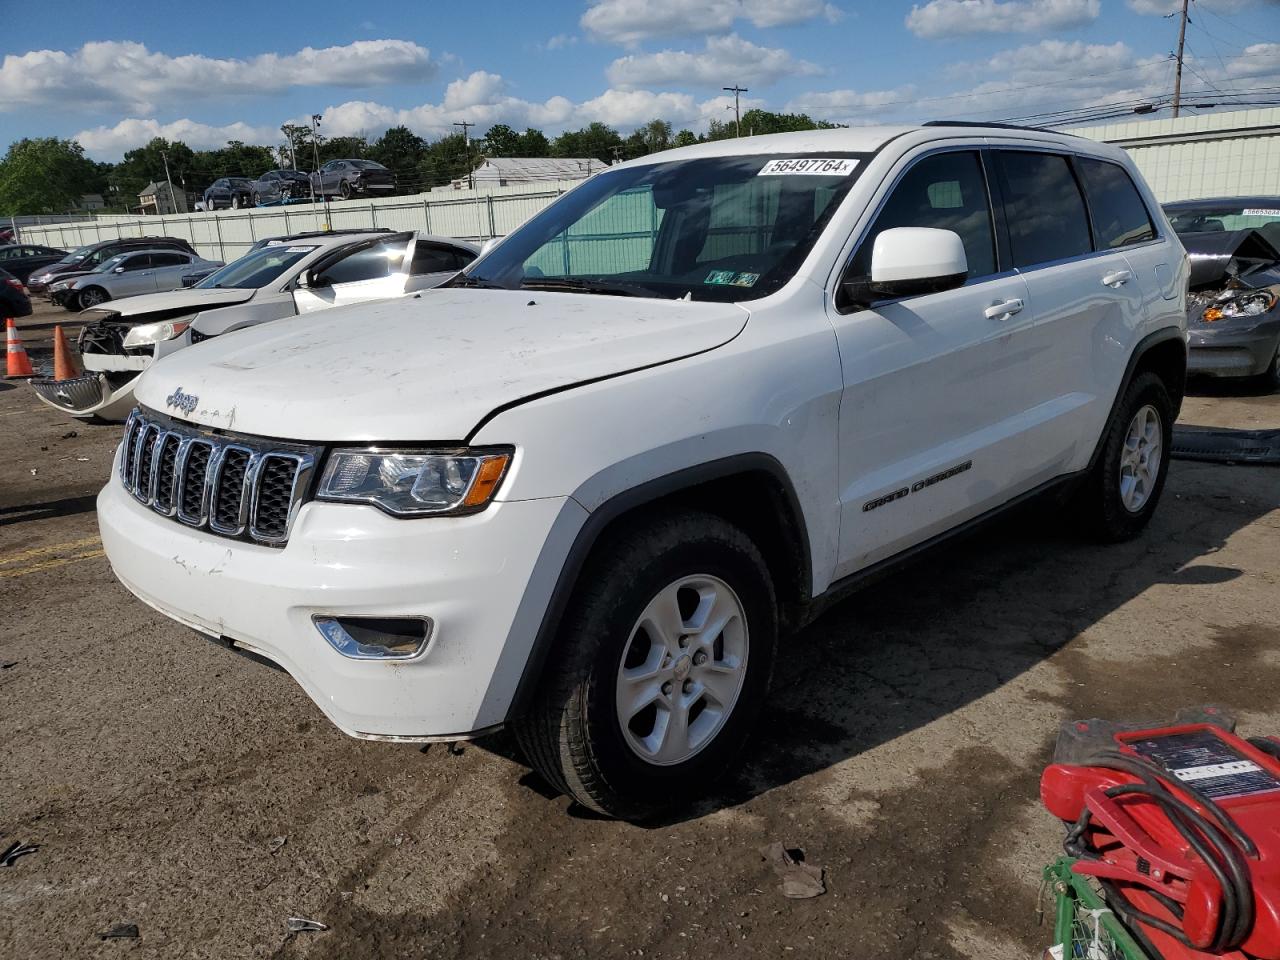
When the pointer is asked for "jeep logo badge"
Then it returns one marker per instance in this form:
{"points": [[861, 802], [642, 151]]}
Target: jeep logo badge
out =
{"points": [[186, 402]]}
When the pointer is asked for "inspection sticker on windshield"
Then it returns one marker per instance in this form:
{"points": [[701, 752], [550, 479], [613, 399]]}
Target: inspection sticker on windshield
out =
{"points": [[809, 167], [732, 278]]}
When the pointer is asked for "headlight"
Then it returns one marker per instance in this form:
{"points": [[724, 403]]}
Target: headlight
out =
{"points": [[1251, 304], [148, 333], [61, 285], [415, 483]]}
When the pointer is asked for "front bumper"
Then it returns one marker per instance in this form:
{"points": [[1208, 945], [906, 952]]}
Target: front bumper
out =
{"points": [[479, 578], [1229, 353]]}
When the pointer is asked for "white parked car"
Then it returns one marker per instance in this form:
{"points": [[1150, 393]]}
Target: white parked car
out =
{"points": [[655, 431], [130, 274], [299, 274]]}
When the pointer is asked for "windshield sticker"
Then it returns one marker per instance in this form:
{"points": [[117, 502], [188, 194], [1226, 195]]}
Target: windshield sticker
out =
{"points": [[746, 279], [1261, 212], [720, 277], [299, 249], [809, 167]]}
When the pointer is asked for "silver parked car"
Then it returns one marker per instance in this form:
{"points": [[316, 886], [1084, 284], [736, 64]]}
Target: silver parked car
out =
{"points": [[129, 275]]}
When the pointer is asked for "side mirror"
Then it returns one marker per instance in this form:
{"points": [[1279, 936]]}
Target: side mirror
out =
{"points": [[118, 270], [489, 245], [313, 280], [908, 262]]}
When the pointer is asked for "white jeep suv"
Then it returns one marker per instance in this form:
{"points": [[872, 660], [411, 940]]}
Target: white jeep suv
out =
{"points": [[651, 433]]}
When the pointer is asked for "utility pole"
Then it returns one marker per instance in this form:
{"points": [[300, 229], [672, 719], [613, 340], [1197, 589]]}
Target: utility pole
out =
{"points": [[466, 137], [315, 143], [1177, 77], [737, 113], [172, 200]]}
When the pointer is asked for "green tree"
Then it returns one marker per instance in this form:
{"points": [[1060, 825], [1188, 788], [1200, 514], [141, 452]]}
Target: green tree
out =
{"points": [[399, 150], [501, 141], [342, 148], [756, 122], [45, 175], [534, 143], [685, 138], [145, 164], [445, 160], [594, 140]]}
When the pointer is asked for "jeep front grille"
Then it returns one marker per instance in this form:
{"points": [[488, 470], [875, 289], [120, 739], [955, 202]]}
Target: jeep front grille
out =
{"points": [[247, 488]]}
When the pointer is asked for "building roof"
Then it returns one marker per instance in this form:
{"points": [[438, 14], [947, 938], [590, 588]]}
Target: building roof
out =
{"points": [[543, 168], [151, 188]]}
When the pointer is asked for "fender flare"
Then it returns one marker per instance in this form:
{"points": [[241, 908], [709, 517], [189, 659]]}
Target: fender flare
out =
{"points": [[1144, 346], [624, 502]]}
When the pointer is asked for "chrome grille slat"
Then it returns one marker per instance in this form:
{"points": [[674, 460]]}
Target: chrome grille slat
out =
{"points": [[239, 487]]}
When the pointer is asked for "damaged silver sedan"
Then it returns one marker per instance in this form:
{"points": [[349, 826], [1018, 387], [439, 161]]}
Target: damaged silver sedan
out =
{"points": [[1233, 305]]}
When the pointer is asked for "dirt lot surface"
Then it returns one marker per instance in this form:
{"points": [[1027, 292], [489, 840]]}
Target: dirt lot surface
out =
{"points": [[901, 749]]}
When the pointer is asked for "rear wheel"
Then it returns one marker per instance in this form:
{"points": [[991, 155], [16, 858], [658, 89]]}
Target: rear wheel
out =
{"points": [[344, 189], [1124, 485], [257, 199], [661, 665], [90, 297], [235, 201]]}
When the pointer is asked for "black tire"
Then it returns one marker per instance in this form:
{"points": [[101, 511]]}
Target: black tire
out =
{"points": [[235, 201], [81, 302], [572, 734], [344, 189], [1099, 505], [257, 199]]}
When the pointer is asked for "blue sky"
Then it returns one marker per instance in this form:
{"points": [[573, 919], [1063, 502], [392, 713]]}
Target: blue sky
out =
{"points": [[115, 74]]}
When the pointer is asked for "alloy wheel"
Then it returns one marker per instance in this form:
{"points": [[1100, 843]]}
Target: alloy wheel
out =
{"points": [[682, 670], [1140, 458]]}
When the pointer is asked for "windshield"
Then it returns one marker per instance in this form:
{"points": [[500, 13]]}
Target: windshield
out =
{"points": [[255, 269], [720, 228], [106, 266], [76, 255], [1229, 216]]}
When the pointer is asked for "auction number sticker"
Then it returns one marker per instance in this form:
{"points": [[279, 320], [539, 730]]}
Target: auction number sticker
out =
{"points": [[1261, 212], [809, 167]]}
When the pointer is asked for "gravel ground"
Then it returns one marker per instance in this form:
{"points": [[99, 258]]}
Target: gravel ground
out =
{"points": [[901, 749]]}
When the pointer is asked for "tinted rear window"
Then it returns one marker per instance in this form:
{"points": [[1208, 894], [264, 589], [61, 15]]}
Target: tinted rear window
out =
{"points": [[1119, 215], [1044, 208]]}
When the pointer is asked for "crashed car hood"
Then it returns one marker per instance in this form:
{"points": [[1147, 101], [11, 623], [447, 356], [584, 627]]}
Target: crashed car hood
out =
{"points": [[423, 368], [1212, 254], [178, 300]]}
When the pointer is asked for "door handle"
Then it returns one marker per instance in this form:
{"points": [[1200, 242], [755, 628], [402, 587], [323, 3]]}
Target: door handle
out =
{"points": [[1002, 309], [1117, 279]]}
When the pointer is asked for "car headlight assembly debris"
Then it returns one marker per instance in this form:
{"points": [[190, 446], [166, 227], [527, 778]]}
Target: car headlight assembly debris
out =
{"points": [[1234, 304]]}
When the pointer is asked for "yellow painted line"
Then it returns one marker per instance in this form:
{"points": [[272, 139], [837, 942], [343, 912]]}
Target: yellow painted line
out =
{"points": [[49, 564], [55, 548]]}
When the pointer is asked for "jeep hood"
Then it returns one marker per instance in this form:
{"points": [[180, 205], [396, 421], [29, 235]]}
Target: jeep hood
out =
{"points": [[187, 298], [425, 368]]}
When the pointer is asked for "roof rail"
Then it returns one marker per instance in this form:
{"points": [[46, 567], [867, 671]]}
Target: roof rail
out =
{"points": [[992, 123]]}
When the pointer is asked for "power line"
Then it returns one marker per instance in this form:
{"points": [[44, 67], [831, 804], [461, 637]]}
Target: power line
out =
{"points": [[737, 113]]}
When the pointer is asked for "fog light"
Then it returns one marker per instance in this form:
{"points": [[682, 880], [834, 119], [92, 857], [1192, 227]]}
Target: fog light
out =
{"points": [[375, 638]]}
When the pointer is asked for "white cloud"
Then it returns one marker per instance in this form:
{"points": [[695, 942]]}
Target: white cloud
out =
{"points": [[126, 74], [479, 88], [630, 21], [947, 18], [114, 141], [724, 60], [851, 106], [560, 41]]}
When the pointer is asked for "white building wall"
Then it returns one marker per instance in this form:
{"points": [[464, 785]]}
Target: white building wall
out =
{"points": [[1202, 155], [226, 234]]}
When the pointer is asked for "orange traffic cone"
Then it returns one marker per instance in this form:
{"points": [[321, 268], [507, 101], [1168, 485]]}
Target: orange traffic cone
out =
{"points": [[64, 364], [17, 363]]}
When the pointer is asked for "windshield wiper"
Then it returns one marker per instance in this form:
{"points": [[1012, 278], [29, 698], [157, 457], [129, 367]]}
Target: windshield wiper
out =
{"points": [[584, 285], [462, 280]]}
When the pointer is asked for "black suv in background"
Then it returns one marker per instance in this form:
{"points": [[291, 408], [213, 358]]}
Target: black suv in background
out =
{"points": [[234, 192], [84, 259]]}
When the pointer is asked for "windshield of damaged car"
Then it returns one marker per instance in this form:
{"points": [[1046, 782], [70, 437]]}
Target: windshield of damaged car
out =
{"points": [[716, 228], [1228, 217], [255, 269], [76, 255]]}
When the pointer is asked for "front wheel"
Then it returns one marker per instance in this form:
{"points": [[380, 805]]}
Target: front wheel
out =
{"points": [[1123, 487], [235, 201], [661, 665], [91, 297], [257, 199]]}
